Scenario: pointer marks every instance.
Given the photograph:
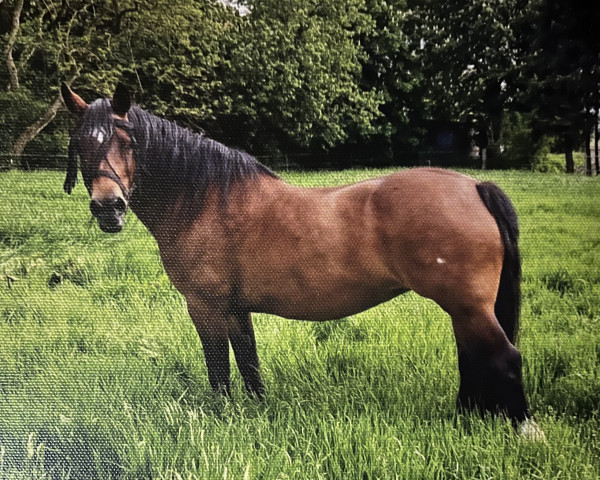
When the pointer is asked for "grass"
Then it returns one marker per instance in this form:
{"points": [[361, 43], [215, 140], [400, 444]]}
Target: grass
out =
{"points": [[102, 374]]}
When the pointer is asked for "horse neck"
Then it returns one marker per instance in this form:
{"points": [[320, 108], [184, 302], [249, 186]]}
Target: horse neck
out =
{"points": [[150, 201], [169, 179], [150, 209]]}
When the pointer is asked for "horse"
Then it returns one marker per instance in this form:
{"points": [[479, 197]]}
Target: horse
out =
{"points": [[235, 239]]}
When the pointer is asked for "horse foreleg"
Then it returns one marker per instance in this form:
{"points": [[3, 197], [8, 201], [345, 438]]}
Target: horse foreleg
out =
{"points": [[490, 367], [241, 335], [212, 327]]}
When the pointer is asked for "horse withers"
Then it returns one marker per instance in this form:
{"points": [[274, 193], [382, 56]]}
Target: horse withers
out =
{"points": [[234, 239]]}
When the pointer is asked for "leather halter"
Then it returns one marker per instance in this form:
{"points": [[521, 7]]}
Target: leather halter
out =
{"points": [[127, 127]]}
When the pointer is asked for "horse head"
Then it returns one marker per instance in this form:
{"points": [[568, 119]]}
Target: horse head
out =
{"points": [[104, 142]]}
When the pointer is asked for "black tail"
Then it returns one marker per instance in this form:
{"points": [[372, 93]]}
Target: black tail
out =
{"points": [[508, 300]]}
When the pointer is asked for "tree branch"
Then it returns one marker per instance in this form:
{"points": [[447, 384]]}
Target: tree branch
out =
{"points": [[120, 16], [36, 127], [13, 73]]}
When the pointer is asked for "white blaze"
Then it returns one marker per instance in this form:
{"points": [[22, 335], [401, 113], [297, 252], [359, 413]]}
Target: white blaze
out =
{"points": [[98, 134]]}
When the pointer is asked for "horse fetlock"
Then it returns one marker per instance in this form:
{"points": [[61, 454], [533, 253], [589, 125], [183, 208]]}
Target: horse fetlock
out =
{"points": [[493, 383]]}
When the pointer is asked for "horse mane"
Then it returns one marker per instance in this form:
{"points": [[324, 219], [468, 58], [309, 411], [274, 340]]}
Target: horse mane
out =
{"points": [[172, 158]]}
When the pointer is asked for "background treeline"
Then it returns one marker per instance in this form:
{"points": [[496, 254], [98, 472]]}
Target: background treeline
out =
{"points": [[320, 82]]}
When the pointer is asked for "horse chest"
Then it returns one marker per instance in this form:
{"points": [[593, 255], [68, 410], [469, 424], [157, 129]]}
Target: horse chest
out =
{"points": [[197, 267]]}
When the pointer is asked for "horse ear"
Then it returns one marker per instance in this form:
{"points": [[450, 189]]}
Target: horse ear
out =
{"points": [[121, 101], [75, 104]]}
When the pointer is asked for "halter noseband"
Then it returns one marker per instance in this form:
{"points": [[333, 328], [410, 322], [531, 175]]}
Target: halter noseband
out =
{"points": [[127, 127]]}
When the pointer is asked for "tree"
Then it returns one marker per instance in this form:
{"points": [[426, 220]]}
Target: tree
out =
{"points": [[15, 17], [293, 77], [48, 42], [565, 72], [390, 67], [286, 76], [596, 139], [471, 54], [177, 54], [171, 50]]}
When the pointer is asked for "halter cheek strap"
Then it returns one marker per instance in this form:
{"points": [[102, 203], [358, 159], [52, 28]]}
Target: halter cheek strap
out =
{"points": [[71, 177], [115, 178], [127, 127]]}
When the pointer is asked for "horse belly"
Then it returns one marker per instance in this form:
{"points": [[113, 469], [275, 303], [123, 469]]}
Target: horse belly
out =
{"points": [[322, 309], [322, 297]]}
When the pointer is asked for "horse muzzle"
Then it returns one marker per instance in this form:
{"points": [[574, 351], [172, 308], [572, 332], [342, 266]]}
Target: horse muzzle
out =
{"points": [[110, 213]]}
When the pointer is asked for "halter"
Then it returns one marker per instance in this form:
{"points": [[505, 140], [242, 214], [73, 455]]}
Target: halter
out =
{"points": [[111, 174]]}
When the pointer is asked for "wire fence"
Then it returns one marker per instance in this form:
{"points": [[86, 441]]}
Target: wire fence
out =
{"points": [[289, 161]]}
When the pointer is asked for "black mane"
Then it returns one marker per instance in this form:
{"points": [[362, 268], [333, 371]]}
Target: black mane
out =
{"points": [[173, 159]]}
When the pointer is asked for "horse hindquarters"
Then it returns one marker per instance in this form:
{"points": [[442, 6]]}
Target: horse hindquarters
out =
{"points": [[455, 241], [490, 366]]}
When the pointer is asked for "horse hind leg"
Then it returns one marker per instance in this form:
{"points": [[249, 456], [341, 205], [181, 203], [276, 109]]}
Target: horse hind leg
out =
{"points": [[489, 366]]}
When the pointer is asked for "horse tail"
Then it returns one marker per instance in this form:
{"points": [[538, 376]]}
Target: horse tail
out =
{"points": [[508, 300]]}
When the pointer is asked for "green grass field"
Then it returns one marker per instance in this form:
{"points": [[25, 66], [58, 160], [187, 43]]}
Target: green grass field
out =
{"points": [[102, 374]]}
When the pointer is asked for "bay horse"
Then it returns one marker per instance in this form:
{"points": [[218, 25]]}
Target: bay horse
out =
{"points": [[234, 239]]}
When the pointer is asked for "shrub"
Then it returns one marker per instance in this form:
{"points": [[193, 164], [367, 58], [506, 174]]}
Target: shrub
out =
{"points": [[521, 149]]}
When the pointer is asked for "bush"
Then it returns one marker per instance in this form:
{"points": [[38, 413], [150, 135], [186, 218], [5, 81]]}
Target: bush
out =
{"points": [[521, 150], [553, 163]]}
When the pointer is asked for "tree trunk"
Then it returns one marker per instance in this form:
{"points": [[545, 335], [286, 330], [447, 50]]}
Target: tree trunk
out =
{"points": [[483, 141], [13, 74], [596, 133], [483, 157], [36, 127], [568, 145], [588, 152]]}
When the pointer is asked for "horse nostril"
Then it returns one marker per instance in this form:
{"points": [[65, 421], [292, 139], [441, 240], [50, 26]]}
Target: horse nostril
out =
{"points": [[95, 208], [108, 206], [119, 205]]}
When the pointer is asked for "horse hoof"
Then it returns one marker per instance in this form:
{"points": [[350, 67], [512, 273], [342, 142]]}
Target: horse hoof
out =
{"points": [[530, 430]]}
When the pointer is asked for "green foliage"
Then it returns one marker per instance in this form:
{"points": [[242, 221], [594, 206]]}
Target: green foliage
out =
{"points": [[286, 76], [555, 163], [294, 76], [470, 52], [552, 163], [176, 53], [391, 66], [359, 77], [103, 377], [10, 102], [564, 70], [521, 149]]}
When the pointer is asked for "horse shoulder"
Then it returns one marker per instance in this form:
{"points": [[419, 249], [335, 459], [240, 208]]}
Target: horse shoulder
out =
{"points": [[195, 254]]}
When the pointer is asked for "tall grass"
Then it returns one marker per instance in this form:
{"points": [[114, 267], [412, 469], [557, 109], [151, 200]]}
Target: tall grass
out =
{"points": [[102, 374]]}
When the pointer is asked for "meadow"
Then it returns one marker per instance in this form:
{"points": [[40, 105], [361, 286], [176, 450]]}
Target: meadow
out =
{"points": [[102, 374]]}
